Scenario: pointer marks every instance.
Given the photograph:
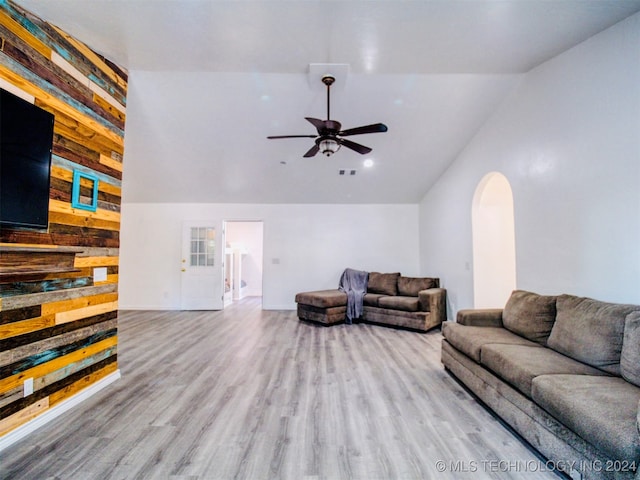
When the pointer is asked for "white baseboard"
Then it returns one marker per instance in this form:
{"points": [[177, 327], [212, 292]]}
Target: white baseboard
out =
{"points": [[121, 308], [148, 307], [25, 429]]}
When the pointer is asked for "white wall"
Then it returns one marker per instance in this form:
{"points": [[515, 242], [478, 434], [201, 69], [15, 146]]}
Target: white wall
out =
{"points": [[306, 247], [568, 141]]}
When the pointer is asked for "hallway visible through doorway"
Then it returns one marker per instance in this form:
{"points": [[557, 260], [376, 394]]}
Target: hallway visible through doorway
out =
{"points": [[243, 260]]}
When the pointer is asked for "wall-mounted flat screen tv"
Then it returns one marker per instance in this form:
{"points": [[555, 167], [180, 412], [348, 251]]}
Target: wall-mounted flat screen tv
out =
{"points": [[26, 139]]}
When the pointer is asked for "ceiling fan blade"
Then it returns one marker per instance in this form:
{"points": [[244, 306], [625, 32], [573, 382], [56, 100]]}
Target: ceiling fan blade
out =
{"points": [[316, 122], [292, 136], [312, 151], [354, 146], [325, 127], [374, 128]]}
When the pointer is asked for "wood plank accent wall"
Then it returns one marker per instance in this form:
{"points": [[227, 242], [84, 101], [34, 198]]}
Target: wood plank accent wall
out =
{"points": [[60, 330]]}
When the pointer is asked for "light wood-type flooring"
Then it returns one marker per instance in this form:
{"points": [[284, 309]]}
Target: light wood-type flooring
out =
{"points": [[250, 394]]}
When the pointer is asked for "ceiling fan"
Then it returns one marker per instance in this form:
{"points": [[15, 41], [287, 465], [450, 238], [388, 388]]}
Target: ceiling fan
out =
{"points": [[329, 137]]}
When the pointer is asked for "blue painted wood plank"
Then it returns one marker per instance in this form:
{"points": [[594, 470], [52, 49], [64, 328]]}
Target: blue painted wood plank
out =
{"points": [[71, 166], [24, 288], [51, 354], [31, 77], [82, 364], [68, 55]]}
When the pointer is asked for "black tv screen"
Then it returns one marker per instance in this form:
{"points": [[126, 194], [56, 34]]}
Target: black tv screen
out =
{"points": [[26, 140]]}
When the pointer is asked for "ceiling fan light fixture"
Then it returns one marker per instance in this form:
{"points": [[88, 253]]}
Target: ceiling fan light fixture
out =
{"points": [[328, 146]]}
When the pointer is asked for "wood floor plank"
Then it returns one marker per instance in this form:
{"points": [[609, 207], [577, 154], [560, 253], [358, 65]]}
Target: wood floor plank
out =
{"points": [[250, 394]]}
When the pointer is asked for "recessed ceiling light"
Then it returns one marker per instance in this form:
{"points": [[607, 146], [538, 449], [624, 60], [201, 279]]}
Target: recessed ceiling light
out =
{"points": [[368, 163]]}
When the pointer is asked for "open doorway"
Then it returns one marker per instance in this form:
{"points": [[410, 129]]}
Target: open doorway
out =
{"points": [[243, 260], [494, 250]]}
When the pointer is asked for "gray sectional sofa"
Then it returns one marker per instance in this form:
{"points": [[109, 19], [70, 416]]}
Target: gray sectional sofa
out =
{"points": [[416, 303], [563, 371]]}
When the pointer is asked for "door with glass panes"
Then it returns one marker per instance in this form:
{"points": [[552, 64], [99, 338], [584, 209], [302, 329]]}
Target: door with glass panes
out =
{"points": [[202, 266]]}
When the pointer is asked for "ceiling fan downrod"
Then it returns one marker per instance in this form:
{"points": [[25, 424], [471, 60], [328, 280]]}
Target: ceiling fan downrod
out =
{"points": [[328, 81]]}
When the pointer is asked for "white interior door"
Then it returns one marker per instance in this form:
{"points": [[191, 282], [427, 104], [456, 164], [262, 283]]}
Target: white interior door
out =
{"points": [[202, 264]]}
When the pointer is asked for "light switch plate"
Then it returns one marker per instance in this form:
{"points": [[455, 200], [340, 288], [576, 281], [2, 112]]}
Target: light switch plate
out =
{"points": [[100, 274], [27, 387]]}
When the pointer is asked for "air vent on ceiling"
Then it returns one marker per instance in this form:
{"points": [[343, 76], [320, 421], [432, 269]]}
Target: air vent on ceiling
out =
{"points": [[343, 171]]}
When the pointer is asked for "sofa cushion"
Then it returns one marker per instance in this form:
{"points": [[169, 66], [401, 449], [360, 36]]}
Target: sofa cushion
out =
{"points": [[371, 299], [383, 283], [630, 357], [590, 331], [322, 298], [470, 340], [530, 315], [410, 286], [397, 302], [601, 410], [420, 321], [520, 364]]}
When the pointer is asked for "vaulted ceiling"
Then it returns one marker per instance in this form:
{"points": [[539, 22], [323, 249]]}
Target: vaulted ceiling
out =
{"points": [[211, 79]]}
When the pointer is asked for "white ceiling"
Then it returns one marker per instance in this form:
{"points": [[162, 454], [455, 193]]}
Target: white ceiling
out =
{"points": [[210, 79]]}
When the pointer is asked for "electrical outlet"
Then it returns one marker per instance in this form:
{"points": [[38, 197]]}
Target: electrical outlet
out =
{"points": [[27, 387]]}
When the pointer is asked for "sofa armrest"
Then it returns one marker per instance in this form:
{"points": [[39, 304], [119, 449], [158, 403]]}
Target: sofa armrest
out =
{"points": [[485, 317], [434, 300]]}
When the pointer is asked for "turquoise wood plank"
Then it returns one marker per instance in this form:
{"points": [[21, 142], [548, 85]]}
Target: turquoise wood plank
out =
{"points": [[77, 366], [24, 288], [31, 77], [69, 165], [52, 354], [69, 55]]}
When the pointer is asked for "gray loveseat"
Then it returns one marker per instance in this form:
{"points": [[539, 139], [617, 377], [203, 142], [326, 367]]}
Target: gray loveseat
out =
{"points": [[416, 303], [563, 371]]}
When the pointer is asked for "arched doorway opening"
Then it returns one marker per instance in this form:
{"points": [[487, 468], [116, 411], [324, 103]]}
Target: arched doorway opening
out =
{"points": [[494, 246]]}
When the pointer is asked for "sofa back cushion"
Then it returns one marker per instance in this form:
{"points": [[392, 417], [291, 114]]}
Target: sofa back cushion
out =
{"points": [[530, 315], [630, 357], [383, 283], [590, 331], [410, 286]]}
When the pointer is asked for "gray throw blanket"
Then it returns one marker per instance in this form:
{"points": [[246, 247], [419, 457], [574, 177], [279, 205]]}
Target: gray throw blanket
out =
{"points": [[354, 284]]}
